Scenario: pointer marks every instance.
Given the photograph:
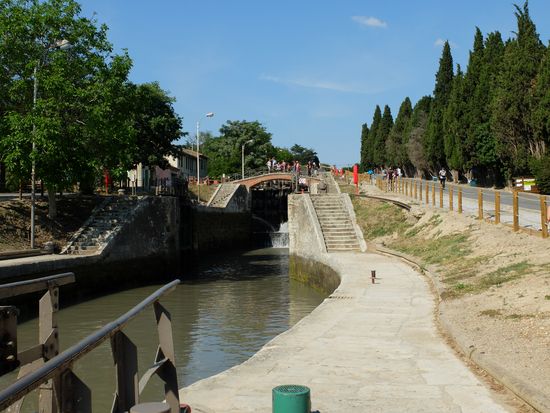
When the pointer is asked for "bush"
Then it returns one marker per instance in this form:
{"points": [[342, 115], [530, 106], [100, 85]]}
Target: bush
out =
{"points": [[541, 170]]}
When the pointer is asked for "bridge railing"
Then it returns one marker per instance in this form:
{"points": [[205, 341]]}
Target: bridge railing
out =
{"points": [[60, 389]]}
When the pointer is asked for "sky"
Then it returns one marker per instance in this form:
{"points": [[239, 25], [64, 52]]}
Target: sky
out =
{"points": [[310, 71]]}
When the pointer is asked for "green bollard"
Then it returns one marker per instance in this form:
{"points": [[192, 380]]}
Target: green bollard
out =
{"points": [[291, 398]]}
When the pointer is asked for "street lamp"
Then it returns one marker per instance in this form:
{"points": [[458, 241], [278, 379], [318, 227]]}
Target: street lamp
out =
{"points": [[242, 158], [208, 115], [60, 45]]}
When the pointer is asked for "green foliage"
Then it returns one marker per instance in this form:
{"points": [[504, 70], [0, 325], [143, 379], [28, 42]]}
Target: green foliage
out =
{"points": [[382, 133], [511, 108], [434, 143], [364, 165], [155, 123], [541, 170], [78, 123], [225, 151], [455, 123], [415, 136], [493, 121], [396, 144]]}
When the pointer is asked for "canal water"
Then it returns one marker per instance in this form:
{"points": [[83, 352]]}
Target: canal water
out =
{"points": [[230, 307]]}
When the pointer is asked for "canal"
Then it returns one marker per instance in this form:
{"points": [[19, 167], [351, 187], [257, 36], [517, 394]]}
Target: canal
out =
{"points": [[224, 313]]}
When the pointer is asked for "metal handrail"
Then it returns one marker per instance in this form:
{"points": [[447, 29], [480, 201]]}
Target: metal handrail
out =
{"points": [[34, 379], [38, 284]]}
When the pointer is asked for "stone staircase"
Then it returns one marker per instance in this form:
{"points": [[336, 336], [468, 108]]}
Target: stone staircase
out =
{"points": [[102, 226], [336, 224], [222, 195]]}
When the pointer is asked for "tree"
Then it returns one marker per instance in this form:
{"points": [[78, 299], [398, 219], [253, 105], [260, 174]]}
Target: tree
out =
{"points": [[77, 122], [396, 151], [540, 103], [416, 136], [155, 123], [364, 148], [455, 124], [224, 151], [371, 138], [511, 108], [301, 154], [434, 145], [382, 132]]}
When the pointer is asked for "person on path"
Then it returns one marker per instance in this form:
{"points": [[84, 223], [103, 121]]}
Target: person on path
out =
{"points": [[442, 177]]}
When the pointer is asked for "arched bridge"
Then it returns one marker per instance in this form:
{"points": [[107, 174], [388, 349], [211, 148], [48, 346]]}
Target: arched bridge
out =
{"points": [[273, 176]]}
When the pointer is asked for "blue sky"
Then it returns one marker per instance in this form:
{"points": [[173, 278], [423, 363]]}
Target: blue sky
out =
{"points": [[310, 71]]}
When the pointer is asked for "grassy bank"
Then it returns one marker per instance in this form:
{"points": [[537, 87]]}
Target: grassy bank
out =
{"points": [[463, 266]]}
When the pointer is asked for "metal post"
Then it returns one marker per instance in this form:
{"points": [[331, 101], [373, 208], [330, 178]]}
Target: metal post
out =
{"points": [[479, 204], [198, 165], [451, 201], [497, 207], [33, 162], [515, 206], [242, 162], [543, 217]]}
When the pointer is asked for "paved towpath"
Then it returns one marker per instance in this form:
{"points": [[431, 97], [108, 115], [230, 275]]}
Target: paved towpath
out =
{"points": [[369, 348]]}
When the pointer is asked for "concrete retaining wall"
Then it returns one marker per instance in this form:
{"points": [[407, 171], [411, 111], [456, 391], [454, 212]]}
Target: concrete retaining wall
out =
{"points": [[214, 229], [304, 232]]}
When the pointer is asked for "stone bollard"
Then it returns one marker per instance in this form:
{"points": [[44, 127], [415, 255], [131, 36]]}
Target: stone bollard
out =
{"points": [[150, 408], [48, 247]]}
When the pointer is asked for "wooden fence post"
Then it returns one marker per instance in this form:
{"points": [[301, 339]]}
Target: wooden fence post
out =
{"points": [[440, 196], [543, 216], [497, 207], [415, 189], [451, 206], [433, 194], [427, 192], [479, 204], [420, 190], [460, 200], [515, 210]]}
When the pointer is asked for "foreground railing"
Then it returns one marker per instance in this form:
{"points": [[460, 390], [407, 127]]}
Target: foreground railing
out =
{"points": [[60, 389]]}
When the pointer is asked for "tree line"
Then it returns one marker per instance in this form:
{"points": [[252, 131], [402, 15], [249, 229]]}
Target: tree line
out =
{"points": [[225, 151], [490, 122], [72, 110]]}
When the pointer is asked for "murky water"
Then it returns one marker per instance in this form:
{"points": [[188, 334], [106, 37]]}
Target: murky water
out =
{"points": [[234, 305]]}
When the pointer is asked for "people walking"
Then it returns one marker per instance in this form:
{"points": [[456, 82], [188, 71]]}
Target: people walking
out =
{"points": [[442, 176]]}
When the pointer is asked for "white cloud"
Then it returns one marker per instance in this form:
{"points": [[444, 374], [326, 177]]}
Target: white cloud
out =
{"points": [[440, 42], [369, 21], [318, 84]]}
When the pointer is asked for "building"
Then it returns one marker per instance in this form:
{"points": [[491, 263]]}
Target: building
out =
{"points": [[186, 162]]}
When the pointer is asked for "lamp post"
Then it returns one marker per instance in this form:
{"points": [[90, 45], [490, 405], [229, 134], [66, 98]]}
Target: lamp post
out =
{"points": [[208, 115], [242, 157], [61, 45]]}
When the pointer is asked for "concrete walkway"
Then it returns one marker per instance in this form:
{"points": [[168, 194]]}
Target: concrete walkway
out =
{"points": [[367, 348]]}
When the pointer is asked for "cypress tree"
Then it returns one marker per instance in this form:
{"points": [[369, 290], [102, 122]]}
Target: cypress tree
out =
{"points": [[371, 139], [386, 123], [416, 136], [434, 145], [455, 123], [396, 151], [511, 114], [540, 103], [364, 143]]}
